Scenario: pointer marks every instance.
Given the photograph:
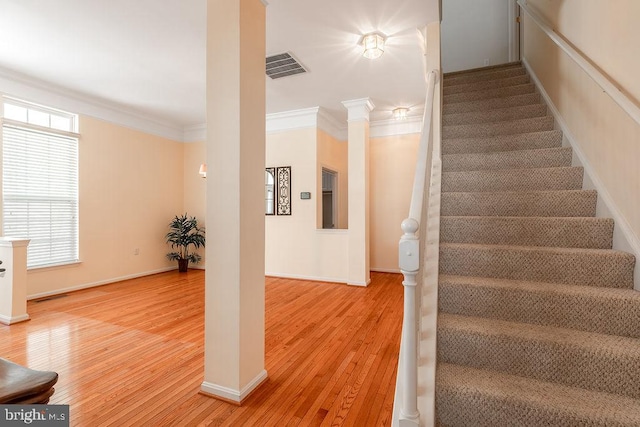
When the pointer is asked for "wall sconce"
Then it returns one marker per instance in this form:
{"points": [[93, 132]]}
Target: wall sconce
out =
{"points": [[400, 113], [373, 44], [203, 170]]}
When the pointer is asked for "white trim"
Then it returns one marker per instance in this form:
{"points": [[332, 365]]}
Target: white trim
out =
{"points": [[360, 284], [624, 238], [13, 242], [304, 277], [358, 109], [291, 120], [386, 270], [195, 133], [331, 125], [40, 92], [514, 31], [616, 93], [98, 283], [391, 127], [227, 393], [13, 319]]}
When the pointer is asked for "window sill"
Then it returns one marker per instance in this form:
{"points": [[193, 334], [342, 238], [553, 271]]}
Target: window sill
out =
{"points": [[54, 266]]}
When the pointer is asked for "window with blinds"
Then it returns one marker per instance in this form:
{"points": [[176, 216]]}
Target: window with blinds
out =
{"points": [[40, 182]]}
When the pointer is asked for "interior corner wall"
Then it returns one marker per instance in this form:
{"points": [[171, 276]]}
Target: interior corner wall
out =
{"points": [[130, 186], [392, 166], [474, 31], [295, 247], [607, 137], [195, 187], [332, 154]]}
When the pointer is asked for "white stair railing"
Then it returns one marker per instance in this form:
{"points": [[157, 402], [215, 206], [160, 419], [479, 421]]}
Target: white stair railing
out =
{"points": [[410, 266]]}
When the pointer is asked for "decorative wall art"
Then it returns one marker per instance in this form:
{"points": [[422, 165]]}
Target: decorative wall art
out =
{"points": [[283, 175]]}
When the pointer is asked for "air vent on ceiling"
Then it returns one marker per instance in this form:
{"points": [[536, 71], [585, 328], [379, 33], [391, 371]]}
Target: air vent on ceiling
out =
{"points": [[283, 65]]}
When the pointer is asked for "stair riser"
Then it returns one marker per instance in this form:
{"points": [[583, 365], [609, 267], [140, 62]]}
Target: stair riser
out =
{"points": [[600, 314], [529, 141], [586, 233], [522, 159], [491, 116], [458, 79], [513, 180], [489, 93], [491, 104], [552, 361], [574, 267], [484, 130], [487, 84], [571, 204]]}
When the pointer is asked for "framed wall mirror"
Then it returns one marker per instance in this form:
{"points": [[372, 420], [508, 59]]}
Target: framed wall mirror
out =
{"points": [[270, 191]]}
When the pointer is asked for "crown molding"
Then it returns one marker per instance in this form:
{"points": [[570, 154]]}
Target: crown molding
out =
{"points": [[38, 91], [358, 109], [195, 133], [392, 127]]}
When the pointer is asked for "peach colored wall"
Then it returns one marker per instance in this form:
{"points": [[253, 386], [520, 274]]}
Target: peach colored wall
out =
{"points": [[609, 140], [392, 165], [332, 154], [131, 185], [195, 187], [294, 246]]}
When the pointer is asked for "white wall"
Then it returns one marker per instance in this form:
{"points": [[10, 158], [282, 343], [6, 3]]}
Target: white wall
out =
{"points": [[473, 32], [605, 138]]}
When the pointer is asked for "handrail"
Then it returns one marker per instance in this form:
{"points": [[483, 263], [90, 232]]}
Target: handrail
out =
{"points": [[618, 96], [409, 261]]}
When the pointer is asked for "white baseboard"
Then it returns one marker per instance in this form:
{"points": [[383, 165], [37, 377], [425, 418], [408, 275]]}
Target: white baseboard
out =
{"points": [[99, 283], [232, 395], [624, 239], [387, 270], [13, 319], [304, 277]]}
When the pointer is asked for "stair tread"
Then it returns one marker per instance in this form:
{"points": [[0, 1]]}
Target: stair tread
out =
{"points": [[589, 360], [591, 342], [585, 232], [500, 160], [554, 250], [486, 84], [511, 127], [489, 93], [495, 115], [533, 286], [491, 104], [501, 143], [556, 203], [554, 178], [501, 399]]}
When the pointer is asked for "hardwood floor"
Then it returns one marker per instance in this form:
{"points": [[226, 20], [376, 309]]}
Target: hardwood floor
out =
{"points": [[131, 353]]}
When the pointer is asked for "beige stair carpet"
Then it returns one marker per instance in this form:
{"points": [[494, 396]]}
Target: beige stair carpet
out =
{"points": [[538, 322]]}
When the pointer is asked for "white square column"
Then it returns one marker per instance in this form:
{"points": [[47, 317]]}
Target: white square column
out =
{"points": [[13, 281], [358, 167], [235, 282]]}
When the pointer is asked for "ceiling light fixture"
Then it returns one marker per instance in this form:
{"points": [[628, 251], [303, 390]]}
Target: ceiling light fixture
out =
{"points": [[373, 44], [400, 113], [203, 170]]}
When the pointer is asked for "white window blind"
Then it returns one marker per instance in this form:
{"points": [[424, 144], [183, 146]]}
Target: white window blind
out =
{"points": [[40, 193]]}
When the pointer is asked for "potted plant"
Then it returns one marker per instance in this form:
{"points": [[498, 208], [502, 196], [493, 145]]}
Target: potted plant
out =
{"points": [[184, 232]]}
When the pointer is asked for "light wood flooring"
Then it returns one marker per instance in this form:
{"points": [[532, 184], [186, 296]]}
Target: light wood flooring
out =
{"points": [[131, 353]]}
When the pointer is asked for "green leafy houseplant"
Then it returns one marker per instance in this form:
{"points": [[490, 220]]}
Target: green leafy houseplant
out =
{"points": [[184, 232]]}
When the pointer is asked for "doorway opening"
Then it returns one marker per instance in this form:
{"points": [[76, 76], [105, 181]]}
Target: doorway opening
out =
{"points": [[329, 198]]}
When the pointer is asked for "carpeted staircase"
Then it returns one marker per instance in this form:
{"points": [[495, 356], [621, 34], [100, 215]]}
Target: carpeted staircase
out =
{"points": [[538, 323]]}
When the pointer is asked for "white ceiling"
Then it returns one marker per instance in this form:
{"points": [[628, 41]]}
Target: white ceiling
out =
{"points": [[148, 56]]}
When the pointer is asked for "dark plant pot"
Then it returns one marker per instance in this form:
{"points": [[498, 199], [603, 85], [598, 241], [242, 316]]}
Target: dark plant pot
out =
{"points": [[183, 265]]}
